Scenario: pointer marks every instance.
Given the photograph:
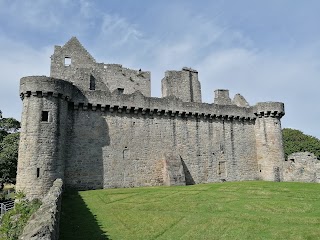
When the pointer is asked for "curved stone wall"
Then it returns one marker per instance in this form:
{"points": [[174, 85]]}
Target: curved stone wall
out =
{"points": [[43, 134]]}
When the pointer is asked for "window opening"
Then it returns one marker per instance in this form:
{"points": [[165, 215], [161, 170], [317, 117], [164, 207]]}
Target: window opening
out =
{"points": [[67, 61], [121, 90], [38, 172], [92, 83], [45, 116], [125, 154]]}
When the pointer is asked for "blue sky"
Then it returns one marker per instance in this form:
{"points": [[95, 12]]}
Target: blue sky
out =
{"points": [[264, 50]]}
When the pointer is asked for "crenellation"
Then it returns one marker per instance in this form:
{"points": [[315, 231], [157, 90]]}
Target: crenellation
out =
{"points": [[96, 125]]}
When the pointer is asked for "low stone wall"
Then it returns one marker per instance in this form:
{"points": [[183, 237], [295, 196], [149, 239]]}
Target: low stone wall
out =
{"points": [[301, 167], [44, 223]]}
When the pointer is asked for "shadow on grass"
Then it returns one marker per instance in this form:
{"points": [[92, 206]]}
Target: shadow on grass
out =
{"points": [[76, 220]]}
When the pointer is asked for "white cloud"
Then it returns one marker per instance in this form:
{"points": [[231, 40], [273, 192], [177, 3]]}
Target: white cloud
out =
{"points": [[20, 61], [118, 30], [34, 14], [226, 56], [290, 77]]}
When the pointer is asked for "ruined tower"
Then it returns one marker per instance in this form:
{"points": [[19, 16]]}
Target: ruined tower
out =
{"points": [[182, 84]]}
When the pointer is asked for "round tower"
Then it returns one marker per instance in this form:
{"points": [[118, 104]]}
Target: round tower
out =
{"points": [[43, 133], [270, 153]]}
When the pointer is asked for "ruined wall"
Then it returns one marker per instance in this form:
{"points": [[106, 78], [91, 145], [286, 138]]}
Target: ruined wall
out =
{"points": [[44, 223], [73, 63], [182, 84], [301, 167], [221, 97], [68, 58]]}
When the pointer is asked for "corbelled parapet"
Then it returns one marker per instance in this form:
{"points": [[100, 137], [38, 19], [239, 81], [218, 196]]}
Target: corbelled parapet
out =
{"points": [[42, 85], [137, 103], [269, 109]]}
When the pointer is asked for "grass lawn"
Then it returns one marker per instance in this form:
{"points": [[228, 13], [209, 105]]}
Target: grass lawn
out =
{"points": [[230, 210]]}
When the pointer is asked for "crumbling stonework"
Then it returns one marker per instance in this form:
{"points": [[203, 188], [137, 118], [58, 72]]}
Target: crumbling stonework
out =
{"points": [[173, 172], [301, 167], [95, 125], [44, 223]]}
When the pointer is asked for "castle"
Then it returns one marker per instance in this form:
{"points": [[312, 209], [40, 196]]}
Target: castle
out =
{"points": [[95, 125]]}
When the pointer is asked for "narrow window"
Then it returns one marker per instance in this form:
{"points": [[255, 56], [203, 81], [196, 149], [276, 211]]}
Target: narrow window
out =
{"points": [[67, 61], [92, 83], [121, 90], [45, 116], [125, 154], [38, 172]]}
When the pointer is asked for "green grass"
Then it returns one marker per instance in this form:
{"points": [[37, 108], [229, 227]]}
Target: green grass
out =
{"points": [[231, 210]]}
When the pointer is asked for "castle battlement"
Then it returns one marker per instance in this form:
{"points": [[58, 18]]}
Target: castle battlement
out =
{"points": [[96, 125]]}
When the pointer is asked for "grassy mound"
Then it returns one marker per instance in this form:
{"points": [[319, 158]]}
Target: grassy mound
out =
{"points": [[235, 210]]}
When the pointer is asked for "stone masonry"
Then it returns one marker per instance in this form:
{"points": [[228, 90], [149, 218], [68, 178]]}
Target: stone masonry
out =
{"points": [[301, 167], [44, 223], [95, 125]]}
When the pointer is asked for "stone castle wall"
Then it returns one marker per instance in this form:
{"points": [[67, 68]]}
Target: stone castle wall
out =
{"points": [[113, 149], [95, 125]]}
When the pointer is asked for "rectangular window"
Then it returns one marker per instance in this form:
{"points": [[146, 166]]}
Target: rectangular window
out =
{"points": [[45, 116], [121, 90], [92, 83], [38, 172], [67, 61]]}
